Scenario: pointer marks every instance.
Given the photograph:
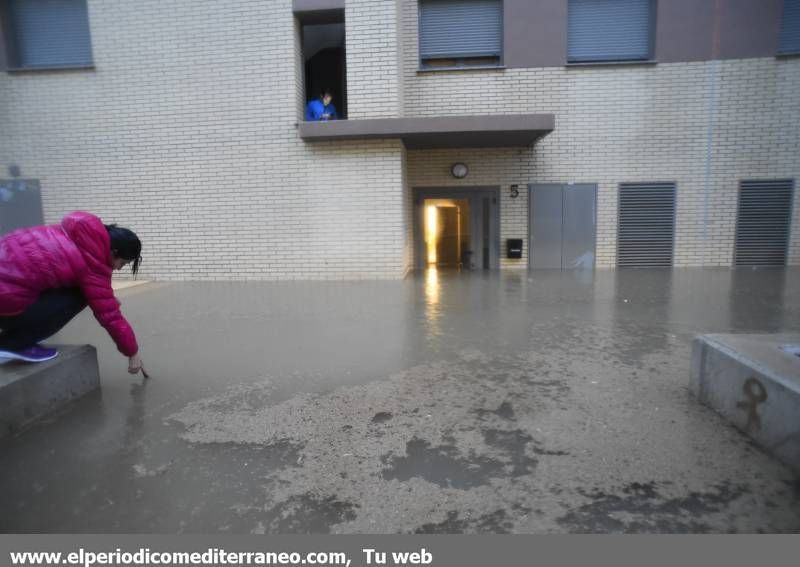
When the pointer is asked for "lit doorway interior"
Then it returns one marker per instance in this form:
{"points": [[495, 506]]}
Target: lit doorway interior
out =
{"points": [[447, 233], [457, 229]]}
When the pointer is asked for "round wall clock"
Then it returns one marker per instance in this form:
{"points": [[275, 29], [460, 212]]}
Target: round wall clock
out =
{"points": [[459, 170]]}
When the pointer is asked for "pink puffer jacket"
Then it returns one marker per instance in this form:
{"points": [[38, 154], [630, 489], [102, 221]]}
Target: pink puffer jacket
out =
{"points": [[75, 253]]}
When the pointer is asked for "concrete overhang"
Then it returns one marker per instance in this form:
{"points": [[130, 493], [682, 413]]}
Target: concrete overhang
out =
{"points": [[494, 131]]}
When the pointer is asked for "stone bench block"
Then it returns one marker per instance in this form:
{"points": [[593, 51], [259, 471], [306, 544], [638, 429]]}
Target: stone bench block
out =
{"points": [[29, 391], [754, 382]]}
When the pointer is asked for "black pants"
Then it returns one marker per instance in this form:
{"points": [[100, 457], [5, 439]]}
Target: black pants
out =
{"points": [[53, 309]]}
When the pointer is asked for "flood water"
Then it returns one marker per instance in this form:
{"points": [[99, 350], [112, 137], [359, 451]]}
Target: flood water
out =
{"points": [[523, 402]]}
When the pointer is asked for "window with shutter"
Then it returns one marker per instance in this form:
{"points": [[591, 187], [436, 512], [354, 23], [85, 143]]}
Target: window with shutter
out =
{"points": [[610, 30], [789, 42], [456, 33], [49, 33]]}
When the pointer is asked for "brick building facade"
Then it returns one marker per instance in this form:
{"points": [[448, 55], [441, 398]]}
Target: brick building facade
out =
{"points": [[185, 128]]}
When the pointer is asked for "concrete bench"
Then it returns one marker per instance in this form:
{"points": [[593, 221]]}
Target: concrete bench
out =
{"points": [[754, 382], [29, 391]]}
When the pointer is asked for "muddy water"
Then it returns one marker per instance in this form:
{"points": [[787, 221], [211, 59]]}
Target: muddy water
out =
{"points": [[513, 403]]}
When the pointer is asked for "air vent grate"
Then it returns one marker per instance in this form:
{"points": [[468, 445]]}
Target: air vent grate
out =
{"points": [[762, 222], [646, 225]]}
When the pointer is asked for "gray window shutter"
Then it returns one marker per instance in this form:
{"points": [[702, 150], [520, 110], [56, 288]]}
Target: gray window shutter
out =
{"points": [[763, 221], [790, 27], [460, 28], [51, 33], [609, 30], [646, 225]]}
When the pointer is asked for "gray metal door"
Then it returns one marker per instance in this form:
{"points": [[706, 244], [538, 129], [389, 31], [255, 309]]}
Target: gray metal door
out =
{"points": [[562, 222], [546, 212], [579, 229], [20, 204]]}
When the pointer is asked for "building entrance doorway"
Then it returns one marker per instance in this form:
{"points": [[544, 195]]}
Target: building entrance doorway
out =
{"points": [[456, 229]]}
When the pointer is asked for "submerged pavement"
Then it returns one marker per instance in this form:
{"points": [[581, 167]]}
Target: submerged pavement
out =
{"points": [[507, 403]]}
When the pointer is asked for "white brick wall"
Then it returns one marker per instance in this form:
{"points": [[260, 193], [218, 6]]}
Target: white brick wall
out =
{"points": [[374, 85], [408, 220], [185, 132]]}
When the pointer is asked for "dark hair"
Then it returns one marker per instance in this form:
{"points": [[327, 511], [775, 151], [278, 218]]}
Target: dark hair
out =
{"points": [[126, 245], [325, 91]]}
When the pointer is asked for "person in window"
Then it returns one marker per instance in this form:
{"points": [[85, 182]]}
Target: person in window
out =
{"points": [[49, 274], [321, 109]]}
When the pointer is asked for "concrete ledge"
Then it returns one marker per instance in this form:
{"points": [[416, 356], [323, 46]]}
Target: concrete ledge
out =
{"points": [[29, 391], [488, 131], [754, 382]]}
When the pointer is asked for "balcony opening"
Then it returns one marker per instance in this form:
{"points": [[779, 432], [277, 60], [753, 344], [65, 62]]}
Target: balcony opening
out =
{"points": [[324, 66]]}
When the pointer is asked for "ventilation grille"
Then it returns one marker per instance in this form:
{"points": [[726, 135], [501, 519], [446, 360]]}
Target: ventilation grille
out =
{"points": [[646, 225], [762, 223]]}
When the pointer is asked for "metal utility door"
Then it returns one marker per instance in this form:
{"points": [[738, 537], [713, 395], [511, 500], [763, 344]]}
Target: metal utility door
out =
{"points": [[20, 204], [546, 205], [562, 220], [484, 224]]}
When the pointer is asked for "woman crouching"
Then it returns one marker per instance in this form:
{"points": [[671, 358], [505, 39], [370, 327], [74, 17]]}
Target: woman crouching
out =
{"points": [[48, 274]]}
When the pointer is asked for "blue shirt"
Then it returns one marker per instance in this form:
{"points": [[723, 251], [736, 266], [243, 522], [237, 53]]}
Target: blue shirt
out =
{"points": [[316, 111]]}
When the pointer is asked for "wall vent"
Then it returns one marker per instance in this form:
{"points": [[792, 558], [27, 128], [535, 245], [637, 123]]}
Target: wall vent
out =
{"points": [[646, 225], [763, 221]]}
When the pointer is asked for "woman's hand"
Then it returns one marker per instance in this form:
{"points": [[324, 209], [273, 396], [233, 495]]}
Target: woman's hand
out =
{"points": [[134, 364]]}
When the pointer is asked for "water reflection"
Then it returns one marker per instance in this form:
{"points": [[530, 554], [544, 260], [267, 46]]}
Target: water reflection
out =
{"points": [[433, 309], [757, 300], [641, 311]]}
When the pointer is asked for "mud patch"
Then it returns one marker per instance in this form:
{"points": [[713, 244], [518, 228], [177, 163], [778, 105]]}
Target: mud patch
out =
{"points": [[442, 465], [640, 507], [397, 449], [503, 411], [495, 523], [309, 514], [515, 443], [141, 471]]}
